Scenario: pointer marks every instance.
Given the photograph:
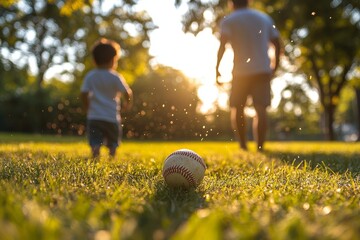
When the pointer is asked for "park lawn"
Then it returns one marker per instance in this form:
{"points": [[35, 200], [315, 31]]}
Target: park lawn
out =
{"points": [[50, 189]]}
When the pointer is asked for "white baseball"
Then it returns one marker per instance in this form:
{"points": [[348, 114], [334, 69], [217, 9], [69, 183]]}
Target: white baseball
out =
{"points": [[184, 168]]}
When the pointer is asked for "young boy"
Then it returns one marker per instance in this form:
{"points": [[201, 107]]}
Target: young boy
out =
{"points": [[100, 93]]}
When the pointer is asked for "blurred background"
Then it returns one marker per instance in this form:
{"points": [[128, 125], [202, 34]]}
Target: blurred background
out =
{"points": [[168, 58]]}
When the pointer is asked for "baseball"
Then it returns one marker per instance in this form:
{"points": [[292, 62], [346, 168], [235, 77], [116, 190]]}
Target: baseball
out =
{"points": [[183, 168]]}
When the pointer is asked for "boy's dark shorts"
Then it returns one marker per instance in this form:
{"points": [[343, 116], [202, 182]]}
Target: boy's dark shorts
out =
{"points": [[103, 133], [257, 86]]}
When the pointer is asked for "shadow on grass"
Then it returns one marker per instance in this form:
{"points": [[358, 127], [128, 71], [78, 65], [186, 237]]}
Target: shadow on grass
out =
{"points": [[166, 210], [333, 162]]}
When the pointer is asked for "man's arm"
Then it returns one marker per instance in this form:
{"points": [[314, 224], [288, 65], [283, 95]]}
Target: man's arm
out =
{"points": [[276, 43], [220, 54]]}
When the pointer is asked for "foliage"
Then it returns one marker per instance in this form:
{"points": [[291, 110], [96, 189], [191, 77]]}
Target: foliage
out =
{"points": [[51, 190], [7, 3], [296, 114], [38, 30]]}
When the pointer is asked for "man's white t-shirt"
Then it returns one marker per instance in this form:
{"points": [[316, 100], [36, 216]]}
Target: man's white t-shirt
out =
{"points": [[104, 87], [249, 33]]}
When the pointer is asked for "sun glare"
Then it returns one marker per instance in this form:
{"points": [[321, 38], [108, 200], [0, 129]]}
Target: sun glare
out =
{"points": [[208, 95]]}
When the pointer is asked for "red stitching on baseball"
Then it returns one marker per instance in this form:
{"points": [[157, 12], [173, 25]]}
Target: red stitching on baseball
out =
{"points": [[182, 171], [191, 155]]}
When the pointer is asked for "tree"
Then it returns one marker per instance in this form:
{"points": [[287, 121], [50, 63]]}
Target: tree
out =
{"points": [[321, 38], [296, 114], [319, 44]]}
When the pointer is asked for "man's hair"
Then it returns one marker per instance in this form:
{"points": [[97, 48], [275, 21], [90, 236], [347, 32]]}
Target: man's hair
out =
{"points": [[240, 3], [104, 51]]}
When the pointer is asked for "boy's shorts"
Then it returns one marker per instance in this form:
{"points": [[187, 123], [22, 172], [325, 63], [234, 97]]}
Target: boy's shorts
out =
{"points": [[103, 133], [257, 86]]}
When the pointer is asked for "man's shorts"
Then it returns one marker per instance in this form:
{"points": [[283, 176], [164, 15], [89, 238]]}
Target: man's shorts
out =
{"points": [[257, 86], [103, 133]]}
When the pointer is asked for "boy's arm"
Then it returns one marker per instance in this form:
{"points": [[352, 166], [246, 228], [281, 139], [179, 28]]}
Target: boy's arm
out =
{"points": [[85, 100], [128, 99]]}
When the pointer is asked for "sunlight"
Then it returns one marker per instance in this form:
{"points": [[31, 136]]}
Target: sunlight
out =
{"points": [[195, 56], [223, 100], [208, 95], [250, 111]]}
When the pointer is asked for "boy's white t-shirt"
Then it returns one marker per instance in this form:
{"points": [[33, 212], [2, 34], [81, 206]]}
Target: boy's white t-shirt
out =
{"points": [[249, 33], [104, 87]]}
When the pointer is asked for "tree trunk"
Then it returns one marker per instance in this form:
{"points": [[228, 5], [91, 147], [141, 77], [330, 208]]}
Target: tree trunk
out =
{"points": [[329, 122]]}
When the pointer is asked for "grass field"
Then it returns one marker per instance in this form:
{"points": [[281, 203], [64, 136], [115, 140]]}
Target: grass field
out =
{"points": [[50, 189]]}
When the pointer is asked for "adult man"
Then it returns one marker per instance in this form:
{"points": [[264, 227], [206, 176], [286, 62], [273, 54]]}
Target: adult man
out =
{"points": [[250, 33]]}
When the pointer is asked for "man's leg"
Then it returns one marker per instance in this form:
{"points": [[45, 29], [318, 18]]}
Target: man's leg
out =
{"points": [[261, 94], [239, 125], [260, 126]]}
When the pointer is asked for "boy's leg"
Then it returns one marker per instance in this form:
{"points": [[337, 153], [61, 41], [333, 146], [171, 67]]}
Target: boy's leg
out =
{"points": [[96, 137], [112, 151], [113, 131], [95, 151]]}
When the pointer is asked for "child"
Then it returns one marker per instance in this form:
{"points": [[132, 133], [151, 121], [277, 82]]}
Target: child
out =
{"points": [[100, 93]]}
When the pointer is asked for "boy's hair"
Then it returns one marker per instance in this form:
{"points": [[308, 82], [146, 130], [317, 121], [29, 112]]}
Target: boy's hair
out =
{"points": [[104, 50], [240, 3]]}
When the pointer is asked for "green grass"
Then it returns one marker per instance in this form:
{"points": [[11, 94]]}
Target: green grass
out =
{"points": [[50, 189]]}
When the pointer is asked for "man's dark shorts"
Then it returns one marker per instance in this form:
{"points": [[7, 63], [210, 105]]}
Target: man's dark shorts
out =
{"points": [[103, 133], [257, 86]]}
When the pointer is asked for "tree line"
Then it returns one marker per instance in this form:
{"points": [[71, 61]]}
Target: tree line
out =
{"points": [[321, 42]]}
